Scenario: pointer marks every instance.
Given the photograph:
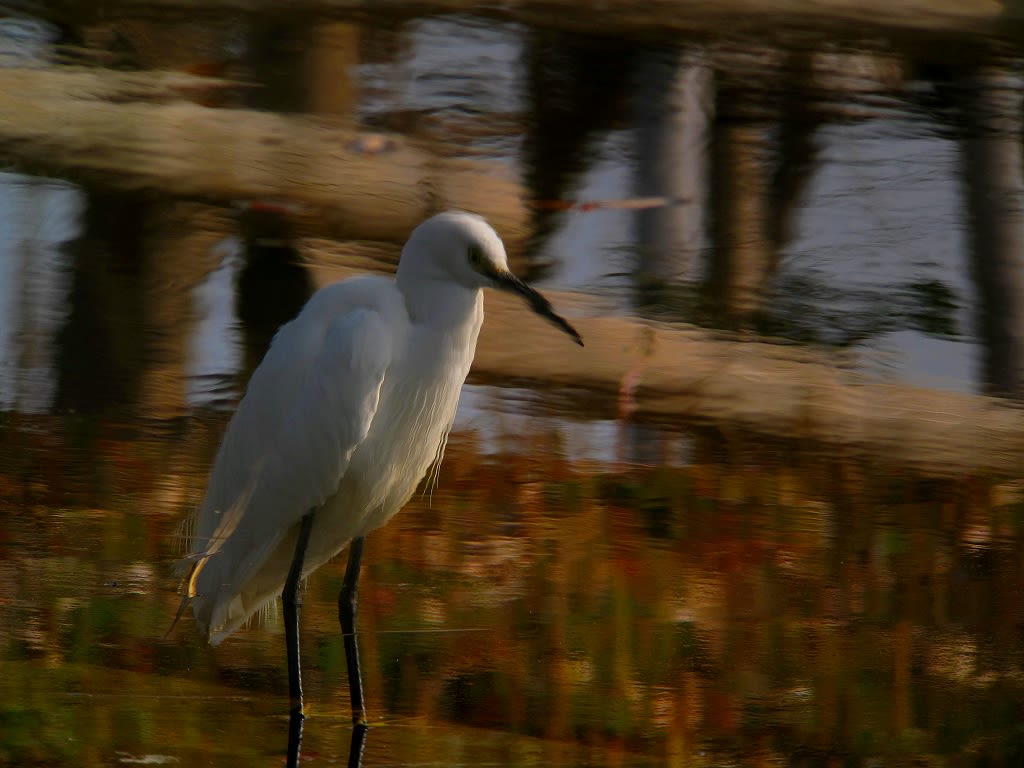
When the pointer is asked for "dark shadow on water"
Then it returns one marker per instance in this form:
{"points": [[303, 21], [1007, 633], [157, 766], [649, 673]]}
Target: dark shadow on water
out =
{"points": [[99, 348], [272, 286], [577, 87]]}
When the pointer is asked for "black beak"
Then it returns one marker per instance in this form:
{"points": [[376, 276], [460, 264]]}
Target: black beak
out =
{"points": [[506, 281]]}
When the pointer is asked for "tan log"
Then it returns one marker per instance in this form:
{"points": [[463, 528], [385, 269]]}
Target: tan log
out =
{"points": [[113, 127], [772, 389], [631, 368]]}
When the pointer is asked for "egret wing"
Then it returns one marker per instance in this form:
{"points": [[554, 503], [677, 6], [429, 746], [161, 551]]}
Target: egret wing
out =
{"points": [[307, 407]]}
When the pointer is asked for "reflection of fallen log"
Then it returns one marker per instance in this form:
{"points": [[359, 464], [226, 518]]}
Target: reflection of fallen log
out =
{"points": [[766, 388], [762, 387], [105, 126], [688, 373]]}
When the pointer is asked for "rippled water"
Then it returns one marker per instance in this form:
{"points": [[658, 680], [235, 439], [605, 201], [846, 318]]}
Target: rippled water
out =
{"points": [[605, 574]]}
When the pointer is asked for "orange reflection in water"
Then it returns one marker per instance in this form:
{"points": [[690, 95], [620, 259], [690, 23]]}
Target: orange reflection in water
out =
{"points": [[763, 603]]}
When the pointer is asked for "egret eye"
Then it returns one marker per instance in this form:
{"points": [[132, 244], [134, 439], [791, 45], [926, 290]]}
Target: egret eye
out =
{"points": [[476, 256]]}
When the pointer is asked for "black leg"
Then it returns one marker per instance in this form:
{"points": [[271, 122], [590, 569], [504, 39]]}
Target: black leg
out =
{"points": [[294, 738], [347, 617], [355, 747], [292, 601]]}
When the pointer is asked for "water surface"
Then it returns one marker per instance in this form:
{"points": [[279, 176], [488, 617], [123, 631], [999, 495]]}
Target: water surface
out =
{"points": [[586, 584]]}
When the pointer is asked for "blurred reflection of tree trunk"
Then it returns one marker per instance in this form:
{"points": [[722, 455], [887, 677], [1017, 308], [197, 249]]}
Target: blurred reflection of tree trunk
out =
{"points": [[303, 65], [179, 240], [135, 266], [749, 156], [762, 156], [331, 61], [273, 285], [275, 58], [993, 185], [575, 89], [99, 347], [797, 149], [673, 109], [744, 256]]}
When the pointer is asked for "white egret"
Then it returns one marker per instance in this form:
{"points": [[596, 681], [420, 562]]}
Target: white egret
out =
{"points": [[349, 409]]}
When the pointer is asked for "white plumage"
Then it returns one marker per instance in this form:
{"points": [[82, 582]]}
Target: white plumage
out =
{"points": [[344, 416]]}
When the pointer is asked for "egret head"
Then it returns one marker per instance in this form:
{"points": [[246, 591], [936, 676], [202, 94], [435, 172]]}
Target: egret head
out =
{"points": [[463, 248]]}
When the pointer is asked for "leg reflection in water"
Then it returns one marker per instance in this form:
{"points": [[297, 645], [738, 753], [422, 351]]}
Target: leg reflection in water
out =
{"points": [[355, 747], [347, 602]]}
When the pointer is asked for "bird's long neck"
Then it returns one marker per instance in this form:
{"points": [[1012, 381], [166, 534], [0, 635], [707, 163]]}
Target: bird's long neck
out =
{"points": [[447, 306]]}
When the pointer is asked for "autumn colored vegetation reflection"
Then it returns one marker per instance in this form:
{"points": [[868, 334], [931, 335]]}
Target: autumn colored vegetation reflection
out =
{"points": [[760, 602]]}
